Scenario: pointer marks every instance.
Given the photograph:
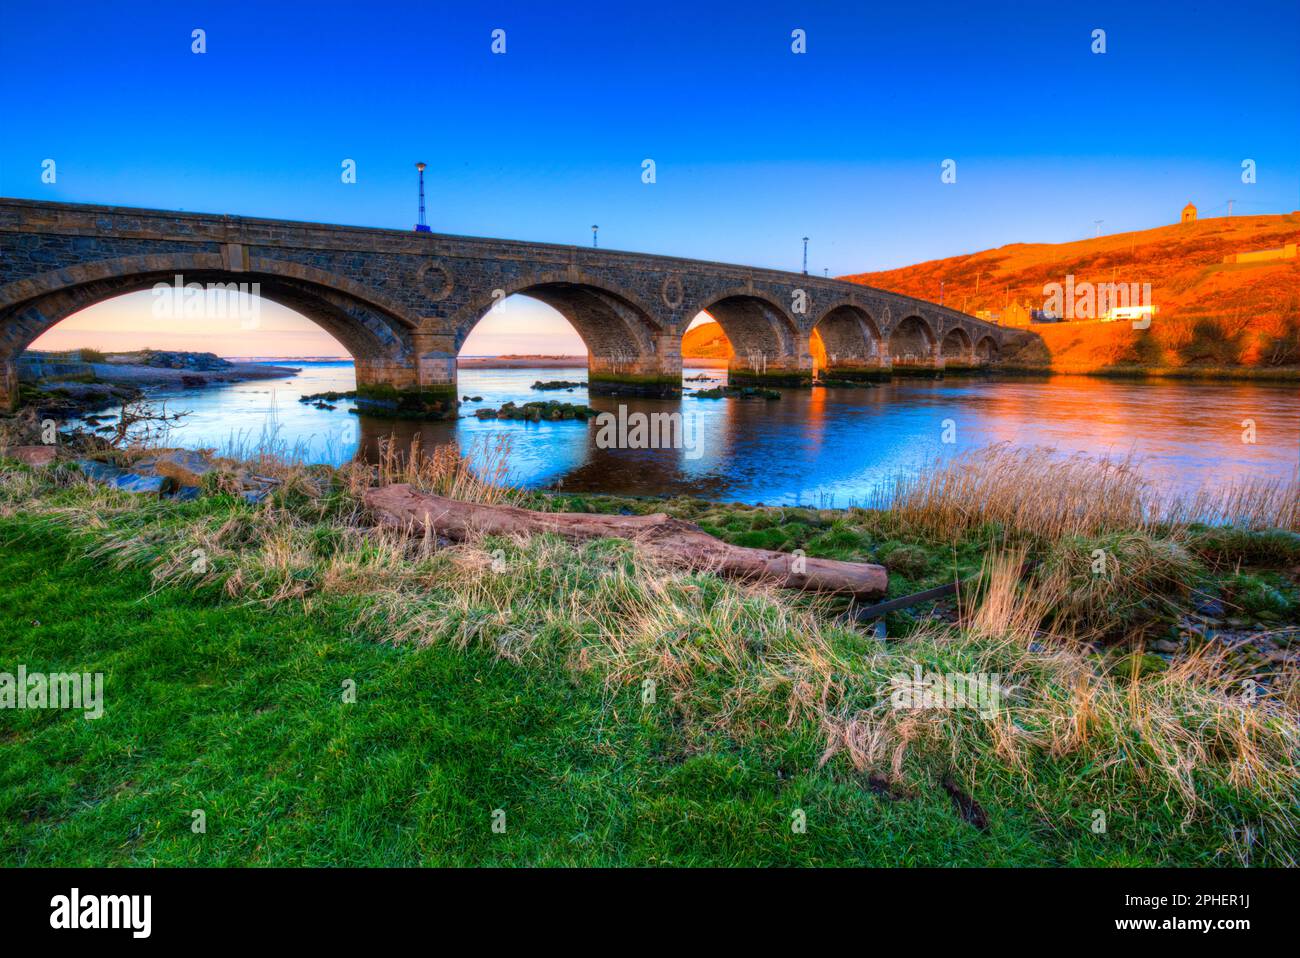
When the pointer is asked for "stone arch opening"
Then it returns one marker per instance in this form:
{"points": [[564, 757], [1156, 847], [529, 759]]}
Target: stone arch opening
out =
{"points": [[628, 351], [911, 342], [957, 347], [986, 350], [229, 323], [109, 340], [765, 342], [846, 344], [380, 343]]}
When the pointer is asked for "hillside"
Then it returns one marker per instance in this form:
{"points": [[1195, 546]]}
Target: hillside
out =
{"points": [[706, 341], [1211, 313]]}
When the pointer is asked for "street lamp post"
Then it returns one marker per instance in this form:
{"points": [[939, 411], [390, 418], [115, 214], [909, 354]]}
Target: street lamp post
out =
{"points": [[594, 244], [421, 226], [805, 256]]}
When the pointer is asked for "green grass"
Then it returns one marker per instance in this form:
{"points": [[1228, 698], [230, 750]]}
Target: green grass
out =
{"points": [[236, 709]]}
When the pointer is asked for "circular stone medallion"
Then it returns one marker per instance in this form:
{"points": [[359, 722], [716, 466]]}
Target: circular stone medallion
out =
{"points": [[434, 280]]}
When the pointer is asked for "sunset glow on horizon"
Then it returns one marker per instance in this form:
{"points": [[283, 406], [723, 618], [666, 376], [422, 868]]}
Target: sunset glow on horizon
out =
{"points": [[517, 325]]}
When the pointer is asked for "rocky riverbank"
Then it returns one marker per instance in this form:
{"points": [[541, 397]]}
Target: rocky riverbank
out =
{"points": [[70, 384]]}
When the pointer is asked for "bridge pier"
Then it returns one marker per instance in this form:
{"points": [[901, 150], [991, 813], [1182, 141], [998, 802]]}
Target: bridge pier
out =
{"points": [[657, 375], [857, 369], [8, 385], [916, 355], [759, 369], [421, 384]]}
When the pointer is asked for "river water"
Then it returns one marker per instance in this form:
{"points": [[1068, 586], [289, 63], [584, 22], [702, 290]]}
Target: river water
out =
{"points": [[827, 447]]}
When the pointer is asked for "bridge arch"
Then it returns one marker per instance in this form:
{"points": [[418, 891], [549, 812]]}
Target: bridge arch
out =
{"points": [[766, 343], [986, 349], [378, 336], [912, 341], [146, 269], [627, 346], [957, 346], [851, 340]]}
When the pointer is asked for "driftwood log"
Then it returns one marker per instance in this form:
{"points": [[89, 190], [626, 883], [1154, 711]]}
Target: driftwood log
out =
{"points": [[661, 537]]}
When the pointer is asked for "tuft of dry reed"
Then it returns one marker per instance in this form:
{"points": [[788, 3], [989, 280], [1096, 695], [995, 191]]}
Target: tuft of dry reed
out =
{"points": [[481, 476]]}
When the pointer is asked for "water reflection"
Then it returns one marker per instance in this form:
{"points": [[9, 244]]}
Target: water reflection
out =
{"points": [[820, 446]]}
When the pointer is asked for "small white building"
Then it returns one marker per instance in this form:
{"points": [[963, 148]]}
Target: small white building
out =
{"points": [[1118, 314]]}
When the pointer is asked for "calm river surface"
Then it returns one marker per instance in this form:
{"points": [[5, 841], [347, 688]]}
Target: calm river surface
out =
{"points": [[830, 447]]}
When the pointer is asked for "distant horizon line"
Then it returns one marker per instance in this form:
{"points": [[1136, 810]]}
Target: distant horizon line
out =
{"points": [[262, 357], [320, 359]]}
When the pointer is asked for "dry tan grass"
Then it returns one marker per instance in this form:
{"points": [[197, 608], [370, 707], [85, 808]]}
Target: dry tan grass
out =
{"points": [[1256, 503], [1038, 493], [726, 656], [1027, 491], [1181, 732], [442, 470]]}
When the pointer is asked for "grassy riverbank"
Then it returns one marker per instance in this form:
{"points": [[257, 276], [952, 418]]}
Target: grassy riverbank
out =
{"points": [[618, 713]]}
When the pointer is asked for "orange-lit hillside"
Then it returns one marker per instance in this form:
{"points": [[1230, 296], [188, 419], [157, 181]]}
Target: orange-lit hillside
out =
{"points": [[1211, 313], [706, 341]]}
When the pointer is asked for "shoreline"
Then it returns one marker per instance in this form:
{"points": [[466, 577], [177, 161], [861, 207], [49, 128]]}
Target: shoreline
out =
{"points": [[105, 384], [1206, 373], [558, 362], [1227, 374], [141, 375]]}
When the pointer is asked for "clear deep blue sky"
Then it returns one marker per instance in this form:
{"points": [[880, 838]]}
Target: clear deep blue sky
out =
{"points": [[755, 146]]}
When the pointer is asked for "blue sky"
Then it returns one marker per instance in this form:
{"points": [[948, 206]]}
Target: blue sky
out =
{"points": [[755, 146]]}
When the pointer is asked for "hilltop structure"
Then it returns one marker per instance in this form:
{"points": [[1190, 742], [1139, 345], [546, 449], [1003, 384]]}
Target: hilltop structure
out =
{"points": [[1189, 213]]}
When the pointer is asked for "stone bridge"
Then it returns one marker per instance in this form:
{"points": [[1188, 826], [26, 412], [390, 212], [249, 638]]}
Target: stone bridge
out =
{"points": [[403, 303]]}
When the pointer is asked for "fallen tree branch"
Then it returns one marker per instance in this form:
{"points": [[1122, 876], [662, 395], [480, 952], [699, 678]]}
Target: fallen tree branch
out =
{"points": [[663, 538]]}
